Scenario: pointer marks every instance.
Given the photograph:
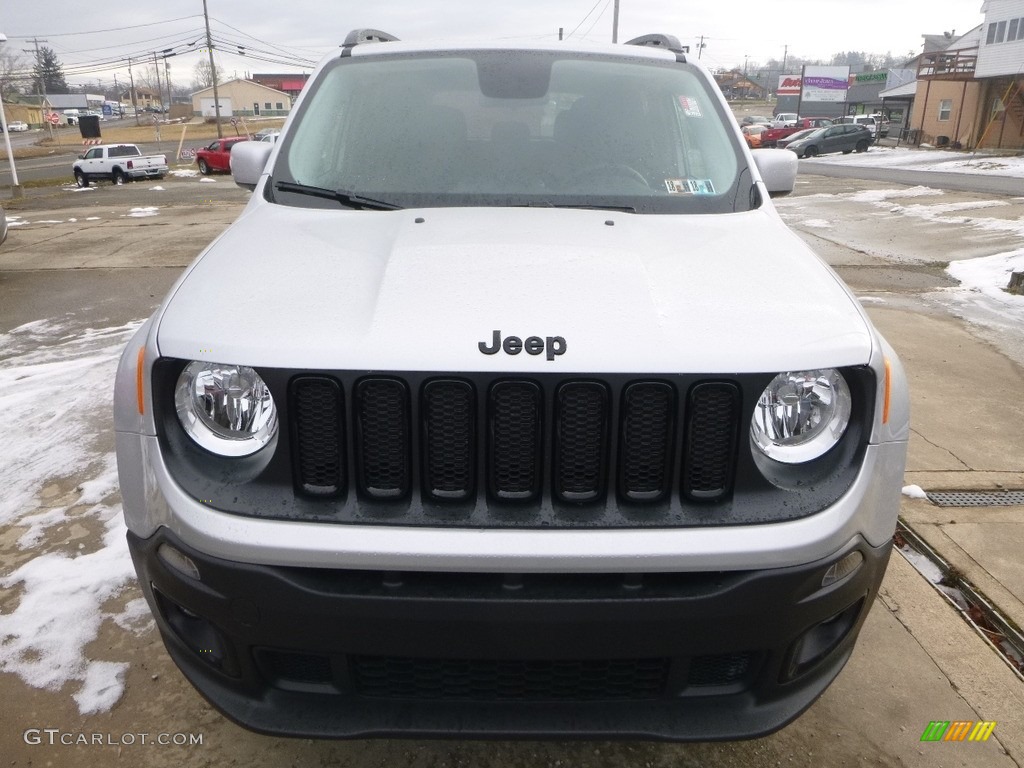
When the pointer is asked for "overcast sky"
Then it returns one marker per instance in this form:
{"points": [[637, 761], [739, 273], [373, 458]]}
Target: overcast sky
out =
{"points": [[282, 35]]}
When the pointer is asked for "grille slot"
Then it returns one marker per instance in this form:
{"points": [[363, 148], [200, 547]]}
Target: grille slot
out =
{"points": [[722, 669], [382, 423], [505, 680], [318, 405], [515, 421], [713, 416], [581, 441], [648, 425], [296, 667], [449, 440]]}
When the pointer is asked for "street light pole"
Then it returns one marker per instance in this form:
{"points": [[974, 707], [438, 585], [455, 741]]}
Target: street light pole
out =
{"points": [[16, 190]]}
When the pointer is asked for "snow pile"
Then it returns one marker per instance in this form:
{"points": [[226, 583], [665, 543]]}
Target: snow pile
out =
{"points": [[914, 492], [925, 160], [55, 397], [139, 213]]}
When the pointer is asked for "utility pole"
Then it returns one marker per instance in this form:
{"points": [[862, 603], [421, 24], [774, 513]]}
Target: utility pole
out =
{"points": [[167, 76], [135, 98], [213, 70], [615, 23], [700, 46], [156, 68]]}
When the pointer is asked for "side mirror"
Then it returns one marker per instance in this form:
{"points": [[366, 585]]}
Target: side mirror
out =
{"points": [[777, 168], [81, 157], [247, 161]]}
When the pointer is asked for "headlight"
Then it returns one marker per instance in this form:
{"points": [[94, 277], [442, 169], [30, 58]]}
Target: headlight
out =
{"points": [[226, 409], [801, 415]]}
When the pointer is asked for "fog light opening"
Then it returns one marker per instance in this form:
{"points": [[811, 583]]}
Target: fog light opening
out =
{"points": [[842, 568], [820, 640], [179, 561], [198, 634]]}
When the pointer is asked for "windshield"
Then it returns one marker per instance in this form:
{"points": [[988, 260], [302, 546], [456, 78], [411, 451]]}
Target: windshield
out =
{"points": [[514, 128]]}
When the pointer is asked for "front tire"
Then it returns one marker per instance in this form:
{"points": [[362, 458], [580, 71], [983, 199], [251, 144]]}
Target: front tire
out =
{"points": [[811, 152], [81, 180], [204, 167]]}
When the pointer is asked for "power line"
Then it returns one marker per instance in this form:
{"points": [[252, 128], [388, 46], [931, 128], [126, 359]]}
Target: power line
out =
{"points": [[583, 20], [109, 29]]}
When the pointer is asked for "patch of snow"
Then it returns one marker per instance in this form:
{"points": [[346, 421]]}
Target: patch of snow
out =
{"points": [[37, 525], [873, 300], [92, 218], [185, 173], [102, 687], [59, 613], [156, 189], [926, 159], [817, 223], [914, 492], [136, 617], [53, 383], [139, 213], [922, 564], [883, 195], [207, 180]]}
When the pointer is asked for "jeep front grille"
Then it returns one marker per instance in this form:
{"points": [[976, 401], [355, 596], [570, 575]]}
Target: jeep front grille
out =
{"points": [[517, 439]]}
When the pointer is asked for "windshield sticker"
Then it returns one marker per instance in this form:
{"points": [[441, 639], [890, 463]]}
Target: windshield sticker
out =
{"points": [[689, 186], [690, 106]]}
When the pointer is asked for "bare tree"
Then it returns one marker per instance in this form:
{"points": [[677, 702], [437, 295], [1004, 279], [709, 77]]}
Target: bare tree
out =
{"points": [[202, 75], [15, 72]]}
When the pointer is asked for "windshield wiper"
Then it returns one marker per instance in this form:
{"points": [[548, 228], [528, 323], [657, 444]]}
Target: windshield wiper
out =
{"points": [[579, 206], [623, 208], [347, 199]]}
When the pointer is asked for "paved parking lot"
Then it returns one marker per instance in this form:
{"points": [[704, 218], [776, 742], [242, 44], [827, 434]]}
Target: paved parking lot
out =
{"points": [[81, 269]]}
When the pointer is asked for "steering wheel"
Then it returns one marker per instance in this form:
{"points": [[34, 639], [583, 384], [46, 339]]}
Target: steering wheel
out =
{"points": [[608, 171]]}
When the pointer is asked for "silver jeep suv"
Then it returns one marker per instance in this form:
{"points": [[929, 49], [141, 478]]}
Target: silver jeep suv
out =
{"points": [[509, 406]]}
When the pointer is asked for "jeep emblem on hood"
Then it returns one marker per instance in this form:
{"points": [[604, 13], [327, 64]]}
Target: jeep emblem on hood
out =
{"points": [[534, 345]]}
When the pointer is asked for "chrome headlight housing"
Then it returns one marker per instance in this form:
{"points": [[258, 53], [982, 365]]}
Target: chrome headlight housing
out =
{"points": [[226, 409], [801, 415]]}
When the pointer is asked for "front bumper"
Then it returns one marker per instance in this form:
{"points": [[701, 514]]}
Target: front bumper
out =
{"points": [[317, 652]]}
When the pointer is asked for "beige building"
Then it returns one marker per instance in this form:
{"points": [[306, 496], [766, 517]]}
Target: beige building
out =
{"points": [[971, 94], [31, 114], [242, 98]]}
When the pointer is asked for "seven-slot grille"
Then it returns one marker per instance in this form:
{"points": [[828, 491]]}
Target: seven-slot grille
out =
{"points": [[515, 440]]}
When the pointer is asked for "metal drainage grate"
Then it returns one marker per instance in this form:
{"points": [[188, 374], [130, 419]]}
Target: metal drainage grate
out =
{"points": [[976, 498]]}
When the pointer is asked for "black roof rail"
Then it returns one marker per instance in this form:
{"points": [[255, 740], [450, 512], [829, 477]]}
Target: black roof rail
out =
{"points": [[668, 42], [366, 35]]}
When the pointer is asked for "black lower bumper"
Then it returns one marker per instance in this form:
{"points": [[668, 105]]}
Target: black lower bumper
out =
{"points": [[343, 654]]}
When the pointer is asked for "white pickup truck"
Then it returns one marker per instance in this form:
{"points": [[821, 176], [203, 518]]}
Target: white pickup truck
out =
{"points": [[119, 163]]}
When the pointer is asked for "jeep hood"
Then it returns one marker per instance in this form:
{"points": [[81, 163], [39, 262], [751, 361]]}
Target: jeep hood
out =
{"points": [[421, 289]]}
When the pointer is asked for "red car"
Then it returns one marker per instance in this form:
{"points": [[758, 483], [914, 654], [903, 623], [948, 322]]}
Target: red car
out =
{"points": [[770, 138], [217, 156]]}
